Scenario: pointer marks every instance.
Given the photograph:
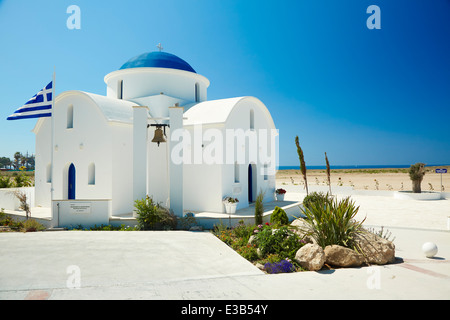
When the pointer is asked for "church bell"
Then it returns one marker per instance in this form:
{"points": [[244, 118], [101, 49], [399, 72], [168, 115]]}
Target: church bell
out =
{"points": [[159, 135]]}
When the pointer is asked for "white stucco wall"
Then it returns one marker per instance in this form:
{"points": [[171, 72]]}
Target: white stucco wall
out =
{"points": [[205, 185], [101, 136], [142, 82], [89, 141], [262, 123], [122, 170], [43, 162]]}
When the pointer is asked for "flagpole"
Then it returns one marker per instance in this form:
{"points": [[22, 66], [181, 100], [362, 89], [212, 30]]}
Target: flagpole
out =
{"points": [[53, 142]]}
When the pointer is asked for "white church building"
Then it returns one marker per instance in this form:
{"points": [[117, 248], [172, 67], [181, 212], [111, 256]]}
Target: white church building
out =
{"points": [[98, 154]]}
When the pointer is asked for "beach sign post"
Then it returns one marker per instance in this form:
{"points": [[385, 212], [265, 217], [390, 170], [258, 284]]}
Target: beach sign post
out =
{"points": [[441, 171]]}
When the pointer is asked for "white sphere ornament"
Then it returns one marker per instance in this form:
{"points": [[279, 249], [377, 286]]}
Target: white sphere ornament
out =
{"points": [[430, 249]]}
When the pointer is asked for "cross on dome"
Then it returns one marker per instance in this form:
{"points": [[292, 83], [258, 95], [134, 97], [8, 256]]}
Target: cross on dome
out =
{"points": [[159, 46]]}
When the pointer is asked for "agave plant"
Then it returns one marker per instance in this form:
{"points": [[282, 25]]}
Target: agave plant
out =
{"points": [[332, 221]]}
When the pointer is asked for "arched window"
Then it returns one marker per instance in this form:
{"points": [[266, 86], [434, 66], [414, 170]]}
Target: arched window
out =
{"points": [[252, 119], [49, 173], [236, 172], [197, 92], [70, 117], [91, 174], [120, 89], [266, 176]]}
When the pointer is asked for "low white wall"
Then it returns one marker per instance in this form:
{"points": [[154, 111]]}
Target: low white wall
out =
{"points": [[345, 191], [9, 201], [424, 195], [87, 213]]}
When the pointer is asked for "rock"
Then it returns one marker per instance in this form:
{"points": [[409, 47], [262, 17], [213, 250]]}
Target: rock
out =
{"points": [[301, 228], [260, 266], [300, 223], [340, 256], [196, 228], [5, 228], [310, 257], [259, 253], [252, 239], [376, 250]]}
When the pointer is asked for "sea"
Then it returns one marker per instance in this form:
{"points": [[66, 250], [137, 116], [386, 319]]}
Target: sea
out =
{"points": [[390, 166]]}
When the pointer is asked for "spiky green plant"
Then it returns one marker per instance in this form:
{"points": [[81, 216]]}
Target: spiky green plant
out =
{"points": [[259, 208], [332, 221], [328, 172], [5, 182], [301, 157]]}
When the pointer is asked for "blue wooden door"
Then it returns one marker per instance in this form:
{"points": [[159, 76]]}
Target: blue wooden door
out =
{"points": [[71, 193], [250, 183]]}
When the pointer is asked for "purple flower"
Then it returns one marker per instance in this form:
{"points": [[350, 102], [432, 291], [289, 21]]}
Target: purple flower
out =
{"points": [[283, 266]]}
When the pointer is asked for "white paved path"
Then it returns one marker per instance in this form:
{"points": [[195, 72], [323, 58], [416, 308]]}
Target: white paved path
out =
{"points": [[196, 265]]}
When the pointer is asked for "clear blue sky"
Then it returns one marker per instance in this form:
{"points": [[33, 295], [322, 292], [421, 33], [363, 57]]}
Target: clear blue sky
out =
{"points": [[363, 96]]}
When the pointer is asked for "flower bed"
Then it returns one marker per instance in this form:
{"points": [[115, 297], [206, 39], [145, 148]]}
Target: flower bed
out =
{"points": [[270, 246], [334, 238]]}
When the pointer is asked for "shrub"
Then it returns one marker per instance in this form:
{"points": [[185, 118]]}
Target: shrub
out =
{"points": [[22, 180], [332, 222], [107, 227], [32, 225], [259, 208], [272, 258], [225, 236], [5, 182], [248, 252], [187, 221], [315, 197], [243, 231], [282, 242], [152, 216], [7, 221], [279, 216], [22, 196]]}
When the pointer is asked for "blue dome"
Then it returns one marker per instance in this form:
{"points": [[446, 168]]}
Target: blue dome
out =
{"points": [[157, 60]]}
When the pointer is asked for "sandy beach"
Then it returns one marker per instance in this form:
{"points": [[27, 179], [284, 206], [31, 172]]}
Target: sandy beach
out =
{"points": [[367, 179]]}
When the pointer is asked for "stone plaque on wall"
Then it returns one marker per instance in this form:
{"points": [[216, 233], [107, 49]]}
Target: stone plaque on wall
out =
{"points": [[80, 207]]}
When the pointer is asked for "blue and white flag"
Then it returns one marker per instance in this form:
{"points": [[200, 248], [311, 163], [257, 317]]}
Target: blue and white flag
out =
{"points": [[38, 106]]}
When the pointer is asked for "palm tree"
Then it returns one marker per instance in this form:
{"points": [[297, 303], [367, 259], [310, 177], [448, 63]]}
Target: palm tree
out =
{"points": [[416, 173], [8, 162], [31, 161], [17, 157], [4, 162], [23, 161]]}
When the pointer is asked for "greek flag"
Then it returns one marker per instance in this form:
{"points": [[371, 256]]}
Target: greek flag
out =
{"points": [[38, 106]]}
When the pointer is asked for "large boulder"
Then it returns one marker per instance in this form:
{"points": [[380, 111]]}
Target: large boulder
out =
{"points": [[302, 228], [376, 250], [340, 256], [300, 223], [310, 257]]}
